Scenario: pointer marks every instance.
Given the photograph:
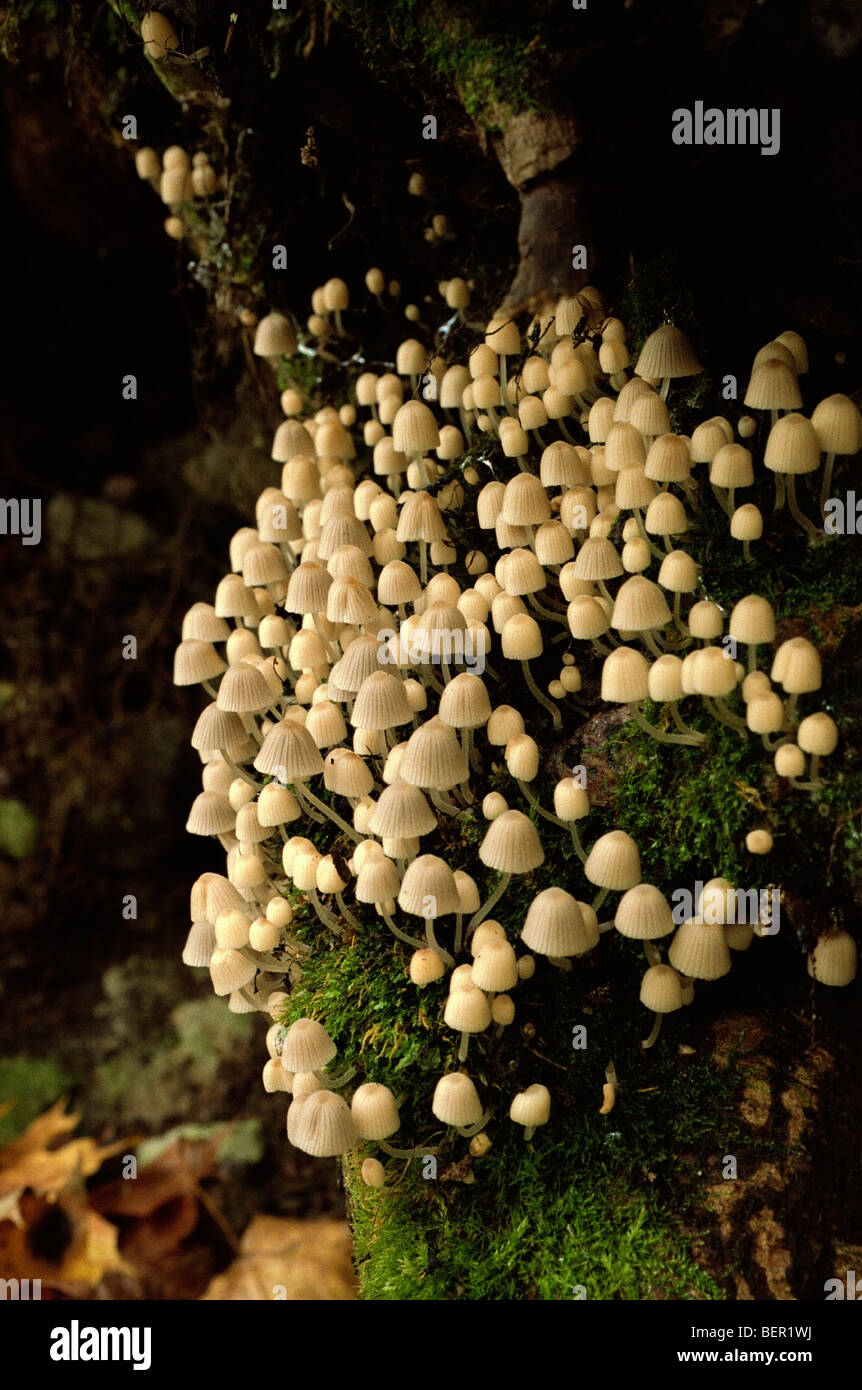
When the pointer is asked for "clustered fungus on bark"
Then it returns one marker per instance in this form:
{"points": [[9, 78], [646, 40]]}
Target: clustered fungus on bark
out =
{"points": [[367, 669]]}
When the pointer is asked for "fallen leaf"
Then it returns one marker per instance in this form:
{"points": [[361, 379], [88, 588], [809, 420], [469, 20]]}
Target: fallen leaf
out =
{"points": [[282, 1258], [28, 1162]]}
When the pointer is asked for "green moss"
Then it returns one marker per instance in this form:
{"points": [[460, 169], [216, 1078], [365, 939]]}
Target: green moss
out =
{"points": [[28, 1086], [490, 71]]}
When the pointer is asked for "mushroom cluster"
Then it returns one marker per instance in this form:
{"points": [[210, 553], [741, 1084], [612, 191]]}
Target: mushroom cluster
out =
{"points": [[443, 557]]}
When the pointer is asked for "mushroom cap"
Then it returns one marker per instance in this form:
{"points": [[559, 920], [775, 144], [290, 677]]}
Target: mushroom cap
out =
{"points": [[731, 466], [644, 914], [661, 989], [669, 459], [467, 1010], [665, 516], [746, 524], [428, 888], [512, 844], [639, 606], [307, 1046], [700, 950], [678, 572], [817, 734], [667, 353], [465, 703], [789, 760], [414, 429], [433, 758], [374, 1111], [597, 559], [833, 960], [426, 966], [402, 811], [614, 862], [625, 677], [531, 1107], [797, 666], [838, 425], [380, 703], [289, 753], [274, 337], [321, 1124], [495, 968], [456, 1100], [554, 925], [752, 620], [792, 446], [773, 386]]}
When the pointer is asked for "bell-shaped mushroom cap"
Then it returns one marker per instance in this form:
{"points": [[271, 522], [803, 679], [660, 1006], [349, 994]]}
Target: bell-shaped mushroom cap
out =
{"points": [[519, 571], [731, 466], [792, 446], [554, 925], [564, 465], [308, 588], [789, 760], [764, 714], [289, 753], [274, 337], [414, 429], [159, 37], [433, 757], [818, 734], [420, 518], [464, 703], [512, 844], [521, 638], [200, 944], [668, 460], [633, 489], [426, 966], [456, 1100], [321, 1124], [201, 624], [196, 661], [398, 583], [597, 559], [571, 800], [639, 606], [664, 681], [625, 677], [752, 620], [495, 968], [525, 501], [661, 989], [797, 666], [587, 618], [667, 353], [705, 620], [700, 950], [648, 413], [838, 425], [307, 1046], [378, 881], [402, 812], [380, 703], [644, 914], [614, 862], [678, 573], [833, 960], [773, 386], [230, 970], [374, 1111], [713, 672], [665, 516], [746, 524], [531, 1107], [505, 723], [467, 1010], [346, 774], [428, 888], [522, 757], [624, 448], [215, 728], [243, 690], [360, 659]]}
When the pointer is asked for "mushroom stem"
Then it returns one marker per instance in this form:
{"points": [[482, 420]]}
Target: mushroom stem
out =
{"points": [[780, 491], [681, 724], [722, 715], [599, 898], [652, 953], [790, 709], [638, 515], [576, 841], [547, 612], [468, 1131], [345, 912], [651, 644], [462, 1050], [677, 615], [402, 935], [548, 815], [326, 917], [447, 807], [434, 943], [690, 740], [529, 1131], [565, 433], [490, 902], [340, 1079], [423, 563], [826, 485], [552, 709], [746, 552], [391, 1150], [808, 527], [304, 793], [654, 1032]]}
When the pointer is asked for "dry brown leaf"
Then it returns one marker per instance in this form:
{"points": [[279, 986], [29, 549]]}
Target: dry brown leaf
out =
{"points": [[29, 1162], [89, 1247], [281, 1258], [175, 1173]]}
